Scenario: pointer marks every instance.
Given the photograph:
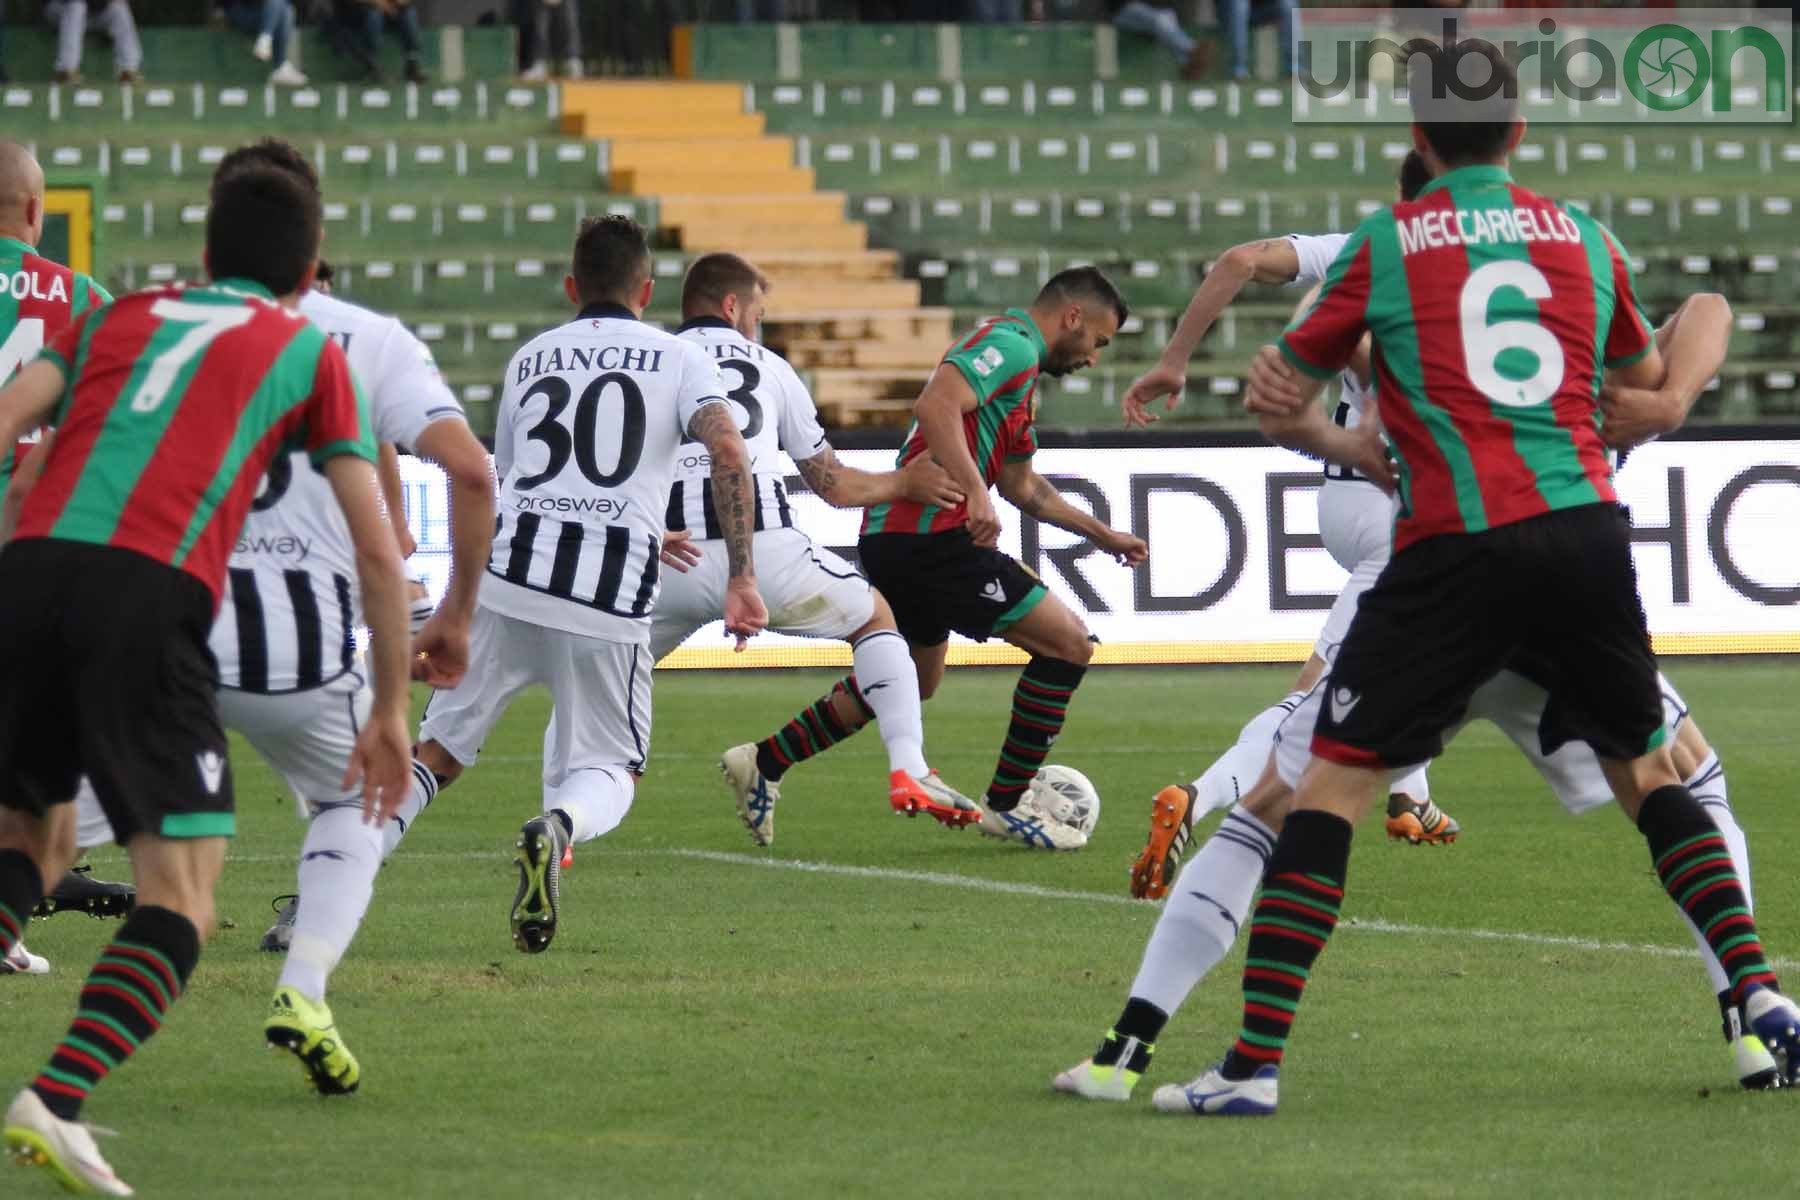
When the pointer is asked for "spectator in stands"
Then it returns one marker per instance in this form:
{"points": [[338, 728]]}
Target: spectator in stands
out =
{"points": [[553, 29], [357, 33], [1235, 19], [997, 12], [114, 18], [271, 22], [1158, 19]]}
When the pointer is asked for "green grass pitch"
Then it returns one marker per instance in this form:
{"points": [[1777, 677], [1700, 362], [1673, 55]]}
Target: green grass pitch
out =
{"points": [[733, 1026]]}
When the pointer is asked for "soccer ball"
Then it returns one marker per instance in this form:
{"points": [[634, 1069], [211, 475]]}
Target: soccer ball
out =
{"points": [[1068, 796]]}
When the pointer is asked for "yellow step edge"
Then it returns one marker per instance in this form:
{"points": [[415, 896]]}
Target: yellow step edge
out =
{"points": [[662, 125], [724, 182]]}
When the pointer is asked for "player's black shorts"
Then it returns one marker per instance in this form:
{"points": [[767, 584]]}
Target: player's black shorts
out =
{"points": [[1557, 592], [936, 582], [105, 672]]}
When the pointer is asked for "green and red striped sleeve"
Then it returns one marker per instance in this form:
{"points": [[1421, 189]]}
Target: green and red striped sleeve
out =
{"points": [[1629, 337], [1321, 340], [87, 294], [336, 414]]}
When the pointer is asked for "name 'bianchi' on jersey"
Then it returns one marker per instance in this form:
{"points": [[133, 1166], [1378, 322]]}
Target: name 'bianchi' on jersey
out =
{"points": [[585, 442], [292, 606], [774, 412], [1483, 299]]}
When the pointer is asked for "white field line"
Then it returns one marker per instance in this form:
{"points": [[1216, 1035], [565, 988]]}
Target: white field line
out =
{"points": [[976, 883]]}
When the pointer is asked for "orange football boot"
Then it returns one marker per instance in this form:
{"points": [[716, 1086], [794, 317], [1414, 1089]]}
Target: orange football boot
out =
{"points": [[1171, 825]]}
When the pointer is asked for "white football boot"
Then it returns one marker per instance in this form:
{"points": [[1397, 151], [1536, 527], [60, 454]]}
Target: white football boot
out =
{"points": [[1775, 1020], [1213, 1095], [20, 961], [37, 1137], [1089, 1082], [755, 795], [1029, 825]]}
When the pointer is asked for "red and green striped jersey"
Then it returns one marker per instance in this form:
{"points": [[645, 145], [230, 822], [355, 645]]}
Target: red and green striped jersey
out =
{"points": [[1000, 359], [174, 403], [1494, 312], [38, 299]]}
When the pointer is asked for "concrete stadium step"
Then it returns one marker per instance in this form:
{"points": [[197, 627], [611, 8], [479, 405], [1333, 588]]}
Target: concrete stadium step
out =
{"points": [[721, 181], [702, 153], [703, 234], [662, 125], [816, 208], [654, 98], [862, 324], [837, 385], [909, 355], [792, 267], [811, 296]]}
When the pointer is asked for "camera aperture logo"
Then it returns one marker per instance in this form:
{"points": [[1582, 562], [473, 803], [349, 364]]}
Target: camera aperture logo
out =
{"points": [[1718, 66]]}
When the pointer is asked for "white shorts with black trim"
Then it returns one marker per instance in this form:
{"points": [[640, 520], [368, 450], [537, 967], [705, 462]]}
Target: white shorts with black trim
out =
{"points": [[307, 736], [1356, 523], [809, 591], [601, 690], [1515, 705]]}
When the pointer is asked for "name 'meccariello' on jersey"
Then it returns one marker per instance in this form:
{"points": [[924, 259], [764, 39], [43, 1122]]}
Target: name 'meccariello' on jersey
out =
{"points": [[1495, 313], [774, 412], [176, 399], [590, 421], [293, 600]]}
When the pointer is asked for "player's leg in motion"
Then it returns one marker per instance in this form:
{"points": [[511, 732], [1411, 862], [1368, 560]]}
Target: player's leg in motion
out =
{"points": [[77, 890]]}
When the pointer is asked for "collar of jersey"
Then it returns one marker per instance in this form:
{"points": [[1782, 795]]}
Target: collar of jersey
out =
{"points": [[1475, 175], [704, 323], [235, 284], [604, 309], [11, 243], [1023, 317]]}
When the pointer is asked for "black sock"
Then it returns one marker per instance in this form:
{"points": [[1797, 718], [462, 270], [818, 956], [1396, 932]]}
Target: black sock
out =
{"points": [[21, 887], [1133, 1036], [1040, 705], [568, 823], [127, 994], [1729, 1020]]}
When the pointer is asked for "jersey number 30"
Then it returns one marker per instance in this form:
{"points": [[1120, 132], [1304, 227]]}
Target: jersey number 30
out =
{"points": [[1484, 344], [582, 443]]}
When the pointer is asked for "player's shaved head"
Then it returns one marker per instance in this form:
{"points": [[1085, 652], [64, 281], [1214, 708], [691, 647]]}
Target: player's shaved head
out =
{"points": [[21, 193], [715, 277], [611, 263]]}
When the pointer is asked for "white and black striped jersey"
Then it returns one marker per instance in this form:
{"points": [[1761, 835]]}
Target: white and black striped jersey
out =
{"points": [[774, 412], [1316, 254], [288, 618], [585, 442]]}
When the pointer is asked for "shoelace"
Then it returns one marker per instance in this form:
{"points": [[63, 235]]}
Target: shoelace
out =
{"points": [[281, 902]]}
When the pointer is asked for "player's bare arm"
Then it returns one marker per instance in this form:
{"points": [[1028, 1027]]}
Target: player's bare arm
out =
{"points": [[25, 404], [442, 646], [939, 412], [734, 493], [843, 486], [679, 553], [1313, 433], [25, 477], [1692, 343], [1272, 260], [383, 755], [1037, 497], [393, 495]]}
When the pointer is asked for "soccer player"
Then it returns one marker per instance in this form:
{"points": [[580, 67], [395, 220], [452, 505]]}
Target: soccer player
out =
{"points": [[1355, 522], [284, 640], [938, 565], [1510, 543], [169, 406], [39, 300], [590, 423], [810, 591]]}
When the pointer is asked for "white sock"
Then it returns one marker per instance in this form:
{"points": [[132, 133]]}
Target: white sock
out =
{"points": [[424, 790], [1413, 784], [1238, 769], [596, 799], [1707, 784], [338, 862], [1201, 918], [890, 687]]}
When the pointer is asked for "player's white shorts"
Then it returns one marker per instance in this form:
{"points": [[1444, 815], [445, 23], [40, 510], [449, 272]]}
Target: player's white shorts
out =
{"points": [[306, 736], [91, 826], [1513, 703], [809, 591], [1356, 523], [601, 690]]}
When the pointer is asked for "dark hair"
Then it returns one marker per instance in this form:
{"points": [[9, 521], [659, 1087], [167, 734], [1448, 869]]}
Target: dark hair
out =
{"points": [[1086, 285], [1414, 175], [1466, 117], [324, 273], [263, 225], [611, 260], [712, 277], [268, 152]]}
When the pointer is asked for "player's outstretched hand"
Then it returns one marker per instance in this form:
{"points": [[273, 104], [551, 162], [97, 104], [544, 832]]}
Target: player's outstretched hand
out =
{"points": [[441, 651], [1635, 415], [679, 553], [382, 762], [1128, 548], [1274, 389], [745, 616], [1155, 384], [924, 482], [1373, 459], [984, 522]]}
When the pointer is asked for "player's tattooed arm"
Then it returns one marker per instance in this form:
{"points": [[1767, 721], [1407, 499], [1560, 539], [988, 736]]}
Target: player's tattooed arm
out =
{"points": [[733, 487], [1037, 497], [843, 486]]}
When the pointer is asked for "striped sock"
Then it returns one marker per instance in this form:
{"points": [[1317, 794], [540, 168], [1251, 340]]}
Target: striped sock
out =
{"points": [[1040, 705], [1694, 864], [123, 1002], [815, 730], [21, 887], [1292, 921]]}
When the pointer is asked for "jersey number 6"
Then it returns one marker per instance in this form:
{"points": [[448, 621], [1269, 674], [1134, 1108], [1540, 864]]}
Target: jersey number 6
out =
{"points": [[582, 444]]}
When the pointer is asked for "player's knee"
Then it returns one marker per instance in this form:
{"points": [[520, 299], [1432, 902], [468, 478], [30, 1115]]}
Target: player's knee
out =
{"points": [[1076, 646]]}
